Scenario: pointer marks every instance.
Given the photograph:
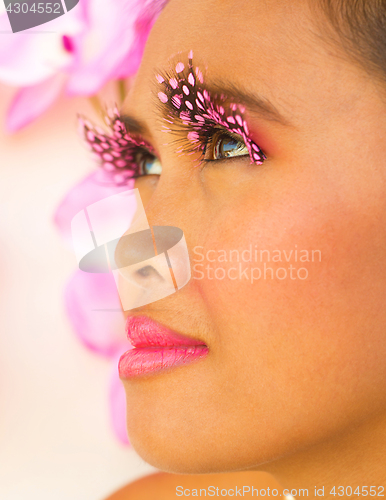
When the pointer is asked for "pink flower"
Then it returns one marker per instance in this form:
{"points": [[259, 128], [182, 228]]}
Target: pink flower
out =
{"points": [[95, 42], [94, 311], [91, 300]]}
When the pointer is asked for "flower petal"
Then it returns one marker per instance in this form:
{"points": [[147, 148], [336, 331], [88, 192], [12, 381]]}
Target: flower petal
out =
{"points": [[91, 189], [143, 25], [104, 45], [27, 59], [94, 310], [113, 46], [31, 102], [118, 403]]}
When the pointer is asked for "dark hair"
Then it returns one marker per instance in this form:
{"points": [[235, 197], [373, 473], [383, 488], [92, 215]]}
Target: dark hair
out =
{"points": [[361, 29]]}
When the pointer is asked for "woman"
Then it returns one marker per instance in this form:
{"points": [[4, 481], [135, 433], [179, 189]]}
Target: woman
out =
{"points": [[291, 375]]}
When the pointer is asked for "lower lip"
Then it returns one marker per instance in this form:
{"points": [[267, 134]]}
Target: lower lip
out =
{"points": [[149, 360]]}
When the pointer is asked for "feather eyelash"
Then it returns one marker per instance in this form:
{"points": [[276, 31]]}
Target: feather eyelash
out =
{"points": [[115, 152], [189, 109]]}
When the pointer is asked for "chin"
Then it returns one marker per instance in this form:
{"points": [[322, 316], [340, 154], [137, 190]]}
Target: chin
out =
{"points": [[171, 443]]}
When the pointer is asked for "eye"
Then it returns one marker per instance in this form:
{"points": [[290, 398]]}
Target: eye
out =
{"points": [[148, 164], [224, 145]]}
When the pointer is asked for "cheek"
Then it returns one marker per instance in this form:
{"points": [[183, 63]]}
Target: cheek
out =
{"points": [[302, 284]]}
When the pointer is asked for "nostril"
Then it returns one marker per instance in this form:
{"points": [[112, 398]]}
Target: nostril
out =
{"points": [[149, 272], [145, 271]]}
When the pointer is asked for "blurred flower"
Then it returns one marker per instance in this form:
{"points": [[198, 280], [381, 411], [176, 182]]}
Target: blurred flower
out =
{"points": [[91, 300], [94, 311], [97, 41]]}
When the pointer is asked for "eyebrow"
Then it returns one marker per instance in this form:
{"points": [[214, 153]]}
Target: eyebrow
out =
{"points": [[256, 103]]}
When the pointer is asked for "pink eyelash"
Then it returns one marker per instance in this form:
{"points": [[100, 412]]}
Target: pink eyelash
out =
{"points": [[200, 111], [116, 151]]}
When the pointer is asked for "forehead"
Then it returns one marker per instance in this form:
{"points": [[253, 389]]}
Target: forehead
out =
{"points": [[270, 47]]}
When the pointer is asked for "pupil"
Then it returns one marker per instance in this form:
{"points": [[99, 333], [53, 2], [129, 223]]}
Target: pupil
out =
{"points": [[228, 146]]}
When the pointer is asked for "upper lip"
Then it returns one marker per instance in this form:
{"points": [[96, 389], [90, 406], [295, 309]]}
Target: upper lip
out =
{"points": [[145, 332]]}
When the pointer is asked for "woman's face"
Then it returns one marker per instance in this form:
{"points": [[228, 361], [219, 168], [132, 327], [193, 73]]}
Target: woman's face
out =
{"points": [[296, 356]]}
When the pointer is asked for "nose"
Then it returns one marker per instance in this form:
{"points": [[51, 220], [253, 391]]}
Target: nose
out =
{"points": [[150, 262], [147, 262]]}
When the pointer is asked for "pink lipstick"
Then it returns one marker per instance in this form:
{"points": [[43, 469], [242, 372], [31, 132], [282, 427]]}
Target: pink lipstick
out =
{"points": [[156, 348]]}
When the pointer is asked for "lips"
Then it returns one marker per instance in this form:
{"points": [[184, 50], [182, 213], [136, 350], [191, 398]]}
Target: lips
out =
{"points": [[156, 348]]}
